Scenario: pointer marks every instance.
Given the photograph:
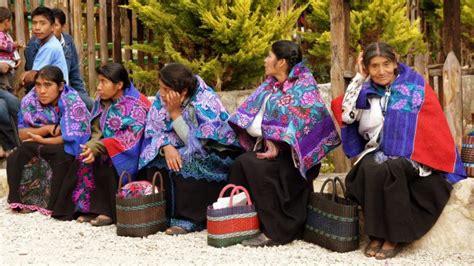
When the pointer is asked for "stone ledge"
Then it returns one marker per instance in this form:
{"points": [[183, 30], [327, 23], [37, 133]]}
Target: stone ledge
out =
{"points": [[454, 229]]}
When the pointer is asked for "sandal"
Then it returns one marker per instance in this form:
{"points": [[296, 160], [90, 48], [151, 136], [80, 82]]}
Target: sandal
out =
{"points": [[383, 254], [176, 230], [101, 220], [85, 218], [371, 250]]}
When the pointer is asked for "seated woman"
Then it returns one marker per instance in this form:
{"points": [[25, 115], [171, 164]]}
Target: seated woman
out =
{"points": [[286, 130], [53, 122], [407, 159], [118, 123], [188, 140]]}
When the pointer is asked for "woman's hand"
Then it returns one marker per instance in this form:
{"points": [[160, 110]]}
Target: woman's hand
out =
{"points": [[360, 65], [173, 101], [87, 154], [173, 158], [271, 152], [35, 138]]}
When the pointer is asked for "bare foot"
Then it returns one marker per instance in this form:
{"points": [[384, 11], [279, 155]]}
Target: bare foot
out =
{"points": [[373, 247], [388, 250]]}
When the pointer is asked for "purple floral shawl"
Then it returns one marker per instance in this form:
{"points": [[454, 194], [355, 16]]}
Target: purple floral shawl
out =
{"points": [[295, 114], [211, 117], [71, 114]]}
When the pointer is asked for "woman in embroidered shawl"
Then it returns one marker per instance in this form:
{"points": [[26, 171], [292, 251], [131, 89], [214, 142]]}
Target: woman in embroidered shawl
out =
{"points": [[53, 121], [286, 130], [118, 123], [407, 158], [188, 140]]}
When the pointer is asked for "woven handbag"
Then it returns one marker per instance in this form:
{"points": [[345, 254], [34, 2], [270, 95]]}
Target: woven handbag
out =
{"points": [[141, 216], [332, 221], [467, 154], [231, 225]]}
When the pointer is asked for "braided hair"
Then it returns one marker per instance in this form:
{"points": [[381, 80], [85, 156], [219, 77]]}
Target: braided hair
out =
{"points": [[288, 50]]}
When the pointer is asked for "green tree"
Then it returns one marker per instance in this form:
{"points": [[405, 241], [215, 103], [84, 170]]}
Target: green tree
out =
{"points": [[223, 41], [370, 21]]}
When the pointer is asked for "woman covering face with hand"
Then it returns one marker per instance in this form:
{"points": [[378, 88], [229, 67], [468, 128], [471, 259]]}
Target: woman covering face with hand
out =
{"points": [[53, 123], [188, 140]]}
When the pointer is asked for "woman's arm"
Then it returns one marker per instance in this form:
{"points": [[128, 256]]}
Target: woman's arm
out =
{"points": [[41, 140], [41, 131]]}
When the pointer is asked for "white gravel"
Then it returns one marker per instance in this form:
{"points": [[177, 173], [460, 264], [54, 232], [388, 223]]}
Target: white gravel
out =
{"points": [[37, 239]]}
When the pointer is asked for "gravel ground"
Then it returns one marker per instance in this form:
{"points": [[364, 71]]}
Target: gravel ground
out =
{"points": [[37, 239]]}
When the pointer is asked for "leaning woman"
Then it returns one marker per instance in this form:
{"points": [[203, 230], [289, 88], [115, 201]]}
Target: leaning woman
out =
{"points": [[407, 159], [118, 123], [188, 140], [286, 129], [53, 122]]}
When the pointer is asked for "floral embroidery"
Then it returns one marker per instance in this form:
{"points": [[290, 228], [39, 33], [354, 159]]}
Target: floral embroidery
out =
{"points": [[295, 114]]}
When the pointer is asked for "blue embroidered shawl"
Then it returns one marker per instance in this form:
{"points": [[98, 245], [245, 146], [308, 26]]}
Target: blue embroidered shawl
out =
{"points": [[122, 124], [295, 113], [73, 117], [414, 125], [211, 117]]}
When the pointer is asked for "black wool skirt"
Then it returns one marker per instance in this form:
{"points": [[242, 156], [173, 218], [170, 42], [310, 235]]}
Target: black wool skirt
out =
{"points": [[47, 188], [279, 192], [398, 204], [102, 200], [187, 198]]}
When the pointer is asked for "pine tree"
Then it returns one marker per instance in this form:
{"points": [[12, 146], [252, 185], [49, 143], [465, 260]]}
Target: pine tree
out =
{"points": [[375, 20], [223, 41]]}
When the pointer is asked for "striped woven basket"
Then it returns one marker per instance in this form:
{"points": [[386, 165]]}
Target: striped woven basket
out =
{"points": [[332, 221], [142, 216], [232, 225], [467, 154]]}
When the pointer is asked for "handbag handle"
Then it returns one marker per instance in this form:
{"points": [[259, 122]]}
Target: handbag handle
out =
{"points": [[225, 189], [157, 173], [234, 192], [121, 177], [337, 179], [329, 180]]}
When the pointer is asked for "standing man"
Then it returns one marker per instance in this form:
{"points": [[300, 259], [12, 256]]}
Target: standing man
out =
{"points": [[70, 53]]}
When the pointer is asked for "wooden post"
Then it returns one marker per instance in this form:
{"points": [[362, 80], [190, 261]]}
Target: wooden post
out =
{"points": [[116, 36], [104, 52], [20, 37], [140, 39], [33, 4], [91, 45], [77, 31], [47, 3], [339, 56], [126, 32], [421, 65], [452, 27], [452, 100]]}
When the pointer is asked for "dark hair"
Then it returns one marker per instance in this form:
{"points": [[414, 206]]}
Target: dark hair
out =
{"points": [[289, 51], [5, 14], [378, 49], [179, 77], [52, 73], [115, 72], [45, 12], [59, 14]]}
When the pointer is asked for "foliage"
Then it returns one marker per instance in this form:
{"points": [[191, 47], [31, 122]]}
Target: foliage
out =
{"points": [[223, 41], [375, 20]]}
